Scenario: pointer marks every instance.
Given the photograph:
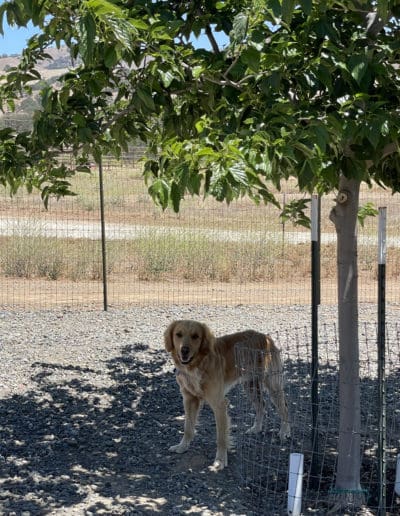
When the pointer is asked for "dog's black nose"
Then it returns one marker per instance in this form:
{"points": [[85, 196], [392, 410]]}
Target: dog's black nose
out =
{"points": [[185, 351]]}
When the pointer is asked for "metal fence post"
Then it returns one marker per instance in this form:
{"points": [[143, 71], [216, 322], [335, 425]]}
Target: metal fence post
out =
{"points": [[382, 361], [103, 236], [315, 300]]}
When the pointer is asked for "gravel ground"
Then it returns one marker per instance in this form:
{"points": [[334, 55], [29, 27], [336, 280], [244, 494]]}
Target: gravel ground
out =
{"points": [[89, 406]]}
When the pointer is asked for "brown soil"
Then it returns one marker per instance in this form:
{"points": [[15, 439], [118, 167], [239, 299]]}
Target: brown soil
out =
{"points": [[128, 290]]}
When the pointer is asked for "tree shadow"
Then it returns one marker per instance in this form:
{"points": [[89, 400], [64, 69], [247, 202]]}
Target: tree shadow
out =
{"points": [[264, 459], [98, 440]]}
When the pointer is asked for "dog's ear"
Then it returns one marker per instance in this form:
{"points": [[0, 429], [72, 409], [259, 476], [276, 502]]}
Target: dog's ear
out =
{"points": [[208, 339], [168, 337]]}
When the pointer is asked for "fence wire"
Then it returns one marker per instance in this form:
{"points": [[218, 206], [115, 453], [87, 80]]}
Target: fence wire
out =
{"points": [[213, 254], [209, 253], [264, 458]]}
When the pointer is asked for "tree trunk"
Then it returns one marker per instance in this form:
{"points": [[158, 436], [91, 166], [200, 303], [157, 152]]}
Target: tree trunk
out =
{"points": [[344, 216]]}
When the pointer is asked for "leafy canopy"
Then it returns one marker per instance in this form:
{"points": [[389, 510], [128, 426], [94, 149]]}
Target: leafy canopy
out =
{"points": [[307, 88]]}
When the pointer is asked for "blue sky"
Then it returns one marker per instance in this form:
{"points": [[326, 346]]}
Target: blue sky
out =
{"points": [[14, 39]]}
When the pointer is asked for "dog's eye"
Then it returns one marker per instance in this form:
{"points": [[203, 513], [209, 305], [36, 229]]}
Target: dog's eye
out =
{"points": [[179, 334], [195, 336]]}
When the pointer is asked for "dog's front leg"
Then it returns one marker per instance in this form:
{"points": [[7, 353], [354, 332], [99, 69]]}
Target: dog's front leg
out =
{"points": [[192, 406], [223, 435]]}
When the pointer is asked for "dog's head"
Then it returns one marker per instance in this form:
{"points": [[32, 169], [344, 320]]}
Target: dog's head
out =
{"points": [[188, 341]]}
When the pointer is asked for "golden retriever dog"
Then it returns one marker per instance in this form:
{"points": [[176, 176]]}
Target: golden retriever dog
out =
{"points": [[206, 370]]}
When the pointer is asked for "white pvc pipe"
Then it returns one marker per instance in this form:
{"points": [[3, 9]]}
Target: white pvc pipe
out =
{"points": [[397, 482], [314, 218], [382, 236], [295, 489]]}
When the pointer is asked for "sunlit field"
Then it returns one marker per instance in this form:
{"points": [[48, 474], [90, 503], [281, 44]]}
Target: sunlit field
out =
{"points": [[206, 241]]}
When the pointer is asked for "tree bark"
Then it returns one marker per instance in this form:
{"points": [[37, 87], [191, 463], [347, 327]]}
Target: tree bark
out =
{"points": [[344, 216]]}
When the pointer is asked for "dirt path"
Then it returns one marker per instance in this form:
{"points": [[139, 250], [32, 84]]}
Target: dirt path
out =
{"points": [[127, 290]]}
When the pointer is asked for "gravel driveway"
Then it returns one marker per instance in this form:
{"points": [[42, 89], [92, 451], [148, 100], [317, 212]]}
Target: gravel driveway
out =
{"points": [[89, 406]]}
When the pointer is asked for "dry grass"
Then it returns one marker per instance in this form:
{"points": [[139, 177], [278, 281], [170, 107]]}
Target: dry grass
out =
{"points": [[184, 256]]}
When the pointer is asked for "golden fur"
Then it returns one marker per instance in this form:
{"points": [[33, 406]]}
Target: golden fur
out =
{"points": [[206, 370]]}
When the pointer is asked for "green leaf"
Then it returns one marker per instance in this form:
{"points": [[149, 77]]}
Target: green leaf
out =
{"points": [[385, 128], [159, 191], [3, 8], [324, 75], [139, 24], [160, 31], [175, 196], [85, 134], [123, 31], [383, 8], [111, 57], [366, 210], [79, 120], [166, 77], [288, 10], [197, 71], [238, 172], [207, 151], [373, 133], [239, 28], [358, 66], [306, 176], [306, 5], [321, 137], [200, 126], [294, 211], [276, 9], [251, 57], [194, 183], [104, 8], [87, 30], [146, 98]]}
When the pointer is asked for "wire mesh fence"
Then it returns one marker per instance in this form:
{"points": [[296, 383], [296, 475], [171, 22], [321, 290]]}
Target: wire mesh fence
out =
{"points": [[209, 253], [213, 254], [264, 458]]}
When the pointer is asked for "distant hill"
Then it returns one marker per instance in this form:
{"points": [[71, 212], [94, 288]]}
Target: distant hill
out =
{"points": [[59, 63], [50, 70]]}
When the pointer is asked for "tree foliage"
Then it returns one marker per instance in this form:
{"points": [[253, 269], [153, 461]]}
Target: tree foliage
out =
{"points": [[306, 89]]}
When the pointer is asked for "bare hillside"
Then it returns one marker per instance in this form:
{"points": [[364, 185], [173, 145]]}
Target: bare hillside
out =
{"points": [[49, 68]]}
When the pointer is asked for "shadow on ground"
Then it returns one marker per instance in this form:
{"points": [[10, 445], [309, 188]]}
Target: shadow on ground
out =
{"points": [[88, 441]]}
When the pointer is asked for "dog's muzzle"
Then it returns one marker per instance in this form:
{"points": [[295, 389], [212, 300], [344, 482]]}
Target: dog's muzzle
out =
{"points": [[185, 355]]}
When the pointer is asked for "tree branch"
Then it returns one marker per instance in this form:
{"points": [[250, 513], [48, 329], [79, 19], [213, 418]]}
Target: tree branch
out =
{"points": [[212, 40], [227, 82], [231, 66], [374, 23]]}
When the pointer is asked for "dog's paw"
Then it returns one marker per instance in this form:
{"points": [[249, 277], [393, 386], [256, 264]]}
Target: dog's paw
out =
{"points": [[220, 462], [217, 465], [284, 432], [179, 448]]}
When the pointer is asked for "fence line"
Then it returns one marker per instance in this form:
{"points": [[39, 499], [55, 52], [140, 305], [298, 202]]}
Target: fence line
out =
{"points": [[213, 254], [264, 458], [209, 253]]}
